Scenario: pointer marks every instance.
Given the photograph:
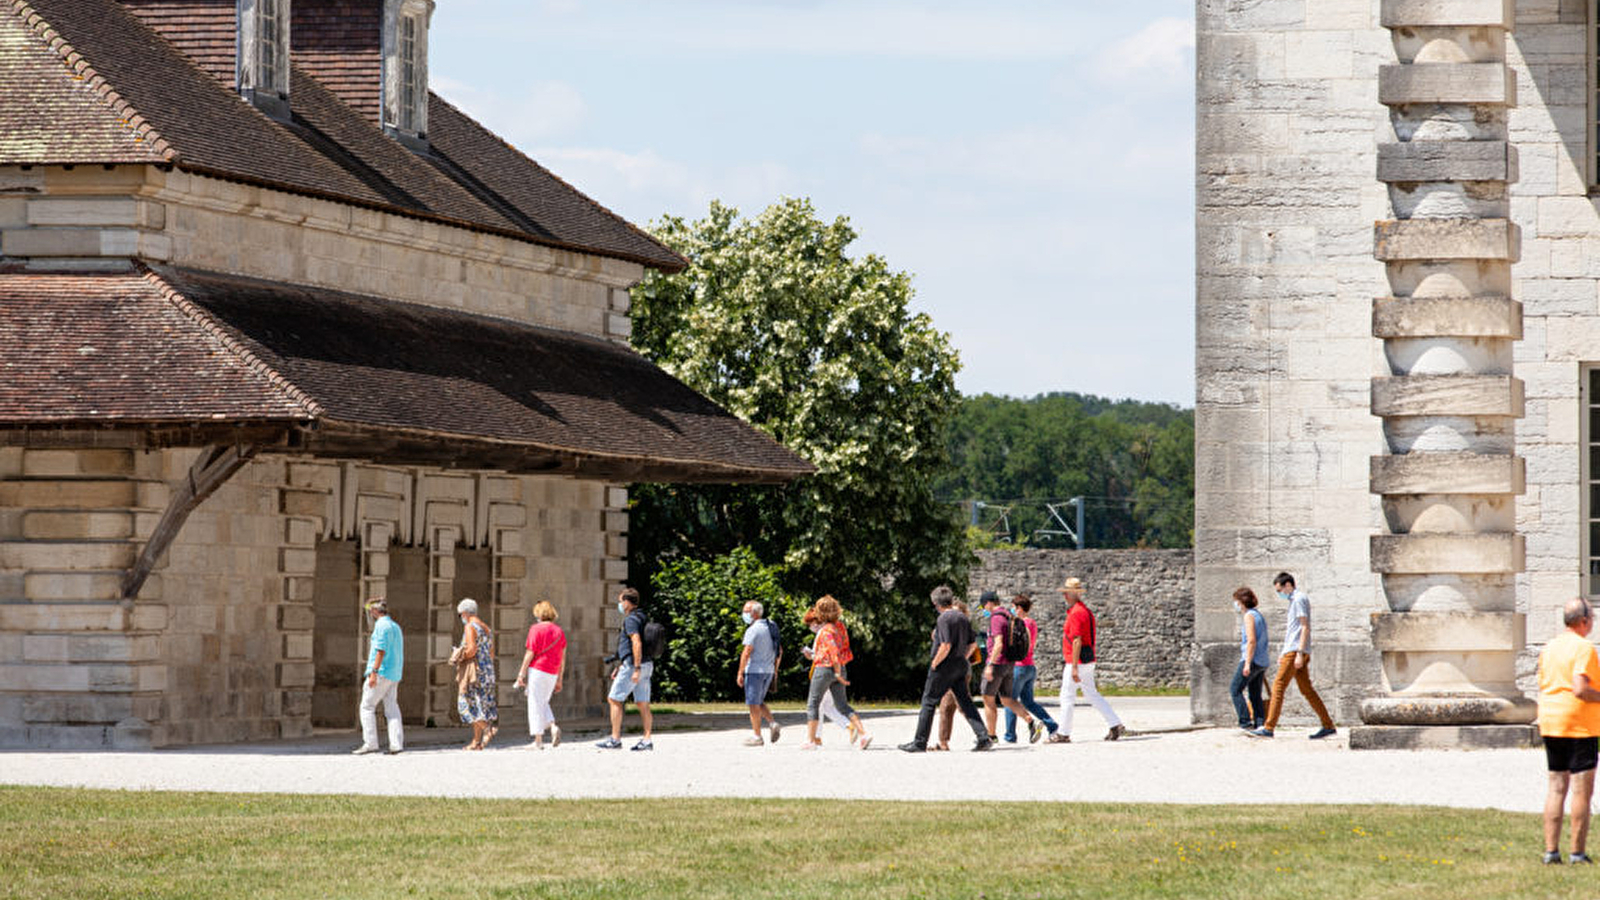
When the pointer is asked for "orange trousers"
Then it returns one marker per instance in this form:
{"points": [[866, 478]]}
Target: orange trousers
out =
{"points": [[1302, 679]]}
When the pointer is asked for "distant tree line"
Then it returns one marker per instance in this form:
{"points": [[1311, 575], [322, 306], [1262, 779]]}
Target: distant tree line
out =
{"points": [[1132, 461]]}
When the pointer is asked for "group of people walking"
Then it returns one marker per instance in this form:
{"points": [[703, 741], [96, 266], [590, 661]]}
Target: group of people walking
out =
{"points": [[1005, 652], [540, 675]]}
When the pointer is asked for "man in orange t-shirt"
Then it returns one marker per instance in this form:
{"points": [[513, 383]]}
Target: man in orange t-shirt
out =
{"points": [[1569, 721]]}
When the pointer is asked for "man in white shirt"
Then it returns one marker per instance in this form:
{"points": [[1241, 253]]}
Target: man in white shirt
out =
{"points": [[1295, 662]]}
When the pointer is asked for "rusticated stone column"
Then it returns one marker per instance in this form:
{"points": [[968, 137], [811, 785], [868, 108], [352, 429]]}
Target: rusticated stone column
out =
{"points": [[1450, 475]]}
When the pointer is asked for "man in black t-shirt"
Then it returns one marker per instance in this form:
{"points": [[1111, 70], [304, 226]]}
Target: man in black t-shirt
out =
{"points": [[948, 670]]}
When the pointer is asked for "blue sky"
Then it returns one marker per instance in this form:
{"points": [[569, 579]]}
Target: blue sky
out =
{"points": [[1030, 163]]}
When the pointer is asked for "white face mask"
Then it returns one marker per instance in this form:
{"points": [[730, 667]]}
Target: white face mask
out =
{"points": [[747, 618], [622, 607]]}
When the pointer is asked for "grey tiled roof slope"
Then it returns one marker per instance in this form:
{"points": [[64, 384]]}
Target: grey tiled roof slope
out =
{"points": [[330, 149], [170, 345], [382, 364]]}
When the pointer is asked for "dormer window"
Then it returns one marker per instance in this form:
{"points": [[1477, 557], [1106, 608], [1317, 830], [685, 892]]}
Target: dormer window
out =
{"points": [[405, 69], [263, 54]]}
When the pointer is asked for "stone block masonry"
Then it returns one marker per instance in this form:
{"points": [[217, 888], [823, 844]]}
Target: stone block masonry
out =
{"points": [[1143, 602], [220, 644]]}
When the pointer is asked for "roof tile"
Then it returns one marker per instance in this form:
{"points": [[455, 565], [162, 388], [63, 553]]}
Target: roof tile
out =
{"points": [[332, 148], [180, 347]]}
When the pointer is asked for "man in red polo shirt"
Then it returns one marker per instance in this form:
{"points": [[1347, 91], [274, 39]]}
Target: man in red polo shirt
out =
{"points": [[1078, 646]]}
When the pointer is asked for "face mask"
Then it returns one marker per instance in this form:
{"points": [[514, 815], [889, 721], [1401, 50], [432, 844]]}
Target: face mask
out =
{"points": [[814, 628], [622, 608], [747, 618]]}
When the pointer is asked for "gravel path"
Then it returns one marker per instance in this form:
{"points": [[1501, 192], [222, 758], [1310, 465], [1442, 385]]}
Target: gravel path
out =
{"points": [[1162, 762]]}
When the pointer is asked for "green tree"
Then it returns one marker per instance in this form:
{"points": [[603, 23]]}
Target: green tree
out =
{"points": [[702, 601], [776, 321], [1132, 461]]}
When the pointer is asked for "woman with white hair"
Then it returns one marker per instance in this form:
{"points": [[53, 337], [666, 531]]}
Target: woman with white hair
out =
{"points": [[474, 661]]}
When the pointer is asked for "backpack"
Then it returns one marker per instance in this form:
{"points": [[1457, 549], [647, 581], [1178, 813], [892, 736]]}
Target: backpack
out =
{"points": [[653, 640], [1016, 641], [777, 639]]}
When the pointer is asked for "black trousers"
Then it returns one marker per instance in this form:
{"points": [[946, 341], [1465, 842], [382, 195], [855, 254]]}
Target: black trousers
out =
{"points": [[948, 678]]}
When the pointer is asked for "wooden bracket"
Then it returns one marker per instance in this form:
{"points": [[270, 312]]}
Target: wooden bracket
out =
{"points": [[214, 467]]}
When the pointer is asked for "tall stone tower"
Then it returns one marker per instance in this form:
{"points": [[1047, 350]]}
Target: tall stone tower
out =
{"points": [[1449, 477]]}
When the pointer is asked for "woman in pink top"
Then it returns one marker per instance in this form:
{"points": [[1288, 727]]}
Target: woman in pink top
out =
{"points": [[1026, 675], [542, 666]]}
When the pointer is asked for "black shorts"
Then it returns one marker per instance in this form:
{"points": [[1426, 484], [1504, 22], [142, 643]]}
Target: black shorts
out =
{"points": [[1571, 754], [1000, 684]]}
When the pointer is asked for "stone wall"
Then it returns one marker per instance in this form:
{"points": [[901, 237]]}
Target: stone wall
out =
{"points": [[1143, 602], [219, 645], [1287, 129], [95, 216]]}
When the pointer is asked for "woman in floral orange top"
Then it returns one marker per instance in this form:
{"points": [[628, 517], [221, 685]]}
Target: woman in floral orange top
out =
{"points": [[831, 654]]}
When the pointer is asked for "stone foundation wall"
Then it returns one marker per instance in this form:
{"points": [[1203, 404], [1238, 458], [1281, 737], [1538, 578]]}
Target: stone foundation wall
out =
{"points": [[219, 643], [1143, 602]]}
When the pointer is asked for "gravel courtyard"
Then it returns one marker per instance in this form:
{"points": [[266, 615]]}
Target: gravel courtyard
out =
{"points": [[1161, 761]]}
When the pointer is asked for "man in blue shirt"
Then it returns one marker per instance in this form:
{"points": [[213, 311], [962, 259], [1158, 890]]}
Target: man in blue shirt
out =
{"points": [[632, 675], [382, 682]]}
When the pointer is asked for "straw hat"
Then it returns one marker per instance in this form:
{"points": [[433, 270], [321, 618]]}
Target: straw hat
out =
{"points": [[1072, 584]]}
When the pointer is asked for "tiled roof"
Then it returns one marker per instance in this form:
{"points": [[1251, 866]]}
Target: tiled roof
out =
{"points": [[331, 149], [357, 375], [112, 348], [50, 113]]}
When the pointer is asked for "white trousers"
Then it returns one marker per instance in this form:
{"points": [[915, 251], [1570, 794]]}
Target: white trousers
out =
{"points": [[386, 692], [830, 712], [1069, 696], [540, 686]]}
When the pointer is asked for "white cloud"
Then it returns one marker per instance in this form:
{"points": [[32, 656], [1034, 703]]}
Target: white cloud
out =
{"points": [[1163, 49], [544, 110], [644, 185]]}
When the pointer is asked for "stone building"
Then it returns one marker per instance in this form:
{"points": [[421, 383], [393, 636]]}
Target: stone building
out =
{"points": [[280, 329], [1403, 414]]}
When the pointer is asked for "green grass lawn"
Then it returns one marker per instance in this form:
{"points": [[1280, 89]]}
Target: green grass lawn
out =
{"points": [[79, 843]]}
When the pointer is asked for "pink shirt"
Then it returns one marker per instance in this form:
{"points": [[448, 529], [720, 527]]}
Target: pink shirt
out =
{"points": [[1033, 640], [546, 641]]}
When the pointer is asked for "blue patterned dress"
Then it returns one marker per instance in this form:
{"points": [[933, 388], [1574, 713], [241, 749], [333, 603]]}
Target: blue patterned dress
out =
{"points": [[477, 703]]}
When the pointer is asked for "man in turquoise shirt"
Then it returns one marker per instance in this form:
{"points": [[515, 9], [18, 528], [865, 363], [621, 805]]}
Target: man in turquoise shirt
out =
{"points": [[382, 681]]}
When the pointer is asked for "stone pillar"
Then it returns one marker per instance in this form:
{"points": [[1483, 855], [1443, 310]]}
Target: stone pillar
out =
{"points": [[1449, 478]]}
